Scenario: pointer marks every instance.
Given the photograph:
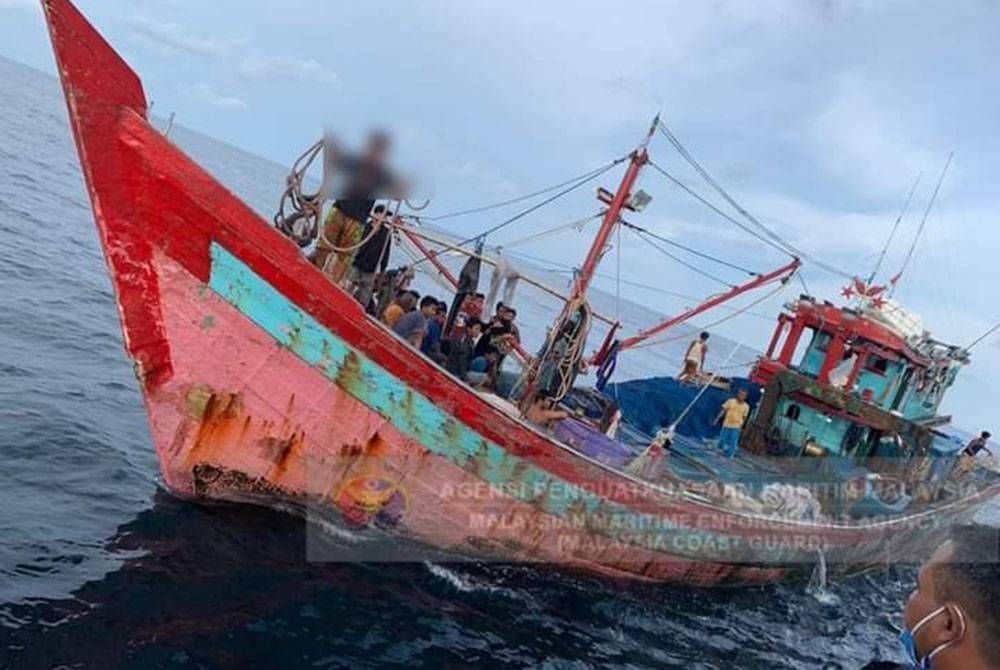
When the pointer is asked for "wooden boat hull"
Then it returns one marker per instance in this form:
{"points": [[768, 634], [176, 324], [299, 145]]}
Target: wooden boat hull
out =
{"points": [[265, 382]]}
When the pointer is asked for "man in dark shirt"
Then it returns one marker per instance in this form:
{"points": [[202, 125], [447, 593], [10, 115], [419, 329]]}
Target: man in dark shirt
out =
{"points": [[461, 350], [431, 345], [412, 327], [357, 181], [373, 255], [978, 444]]}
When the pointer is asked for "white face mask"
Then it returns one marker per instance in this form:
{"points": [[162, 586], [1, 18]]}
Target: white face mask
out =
{"points": [[906, 639]]}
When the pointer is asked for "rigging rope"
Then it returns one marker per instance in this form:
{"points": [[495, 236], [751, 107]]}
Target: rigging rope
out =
{"points": [[686, 155], [693, 268], [529, 196], [578, 224], [569, 269], [688, 249], [520, 215], [766, 235], [700, 198], [983, 336]]}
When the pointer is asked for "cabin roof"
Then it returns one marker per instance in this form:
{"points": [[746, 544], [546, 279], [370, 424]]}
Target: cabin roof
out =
{"points": [[923, 351]]}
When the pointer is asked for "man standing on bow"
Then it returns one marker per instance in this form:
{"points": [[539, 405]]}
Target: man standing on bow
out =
{"points": [[357, 182]]}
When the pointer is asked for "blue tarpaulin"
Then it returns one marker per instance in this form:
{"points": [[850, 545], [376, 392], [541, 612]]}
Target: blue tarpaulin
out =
{"points": [[648, 404]]}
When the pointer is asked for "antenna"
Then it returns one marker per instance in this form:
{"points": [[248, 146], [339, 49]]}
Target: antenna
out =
{"points": [[923, 222], [895, 227]]}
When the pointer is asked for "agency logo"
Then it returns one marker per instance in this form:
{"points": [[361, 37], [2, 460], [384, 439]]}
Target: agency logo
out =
{"points": [[371, 501]]}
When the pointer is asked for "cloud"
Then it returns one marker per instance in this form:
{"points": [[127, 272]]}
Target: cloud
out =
{"points": [[284, 68], [866, 144], [490, 182], [19, 4], [206, 94], [176, 37]]}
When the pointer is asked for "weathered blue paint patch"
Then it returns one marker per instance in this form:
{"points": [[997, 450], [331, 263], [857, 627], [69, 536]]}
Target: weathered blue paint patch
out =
{"points": [[410, 412], [418, 417]]}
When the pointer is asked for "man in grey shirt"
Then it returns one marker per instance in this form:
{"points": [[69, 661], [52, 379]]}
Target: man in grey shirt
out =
{"points": [[413, 326]]}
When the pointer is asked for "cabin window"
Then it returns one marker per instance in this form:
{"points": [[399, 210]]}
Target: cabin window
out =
{"points": [[878, 365], [793, 412], [823, 340]]}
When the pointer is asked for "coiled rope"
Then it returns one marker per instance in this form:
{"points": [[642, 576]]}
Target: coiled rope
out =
{"points": [[299, 213]]}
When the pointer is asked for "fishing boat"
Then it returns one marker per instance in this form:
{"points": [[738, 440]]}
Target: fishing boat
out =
{"points": [[266, 383]]}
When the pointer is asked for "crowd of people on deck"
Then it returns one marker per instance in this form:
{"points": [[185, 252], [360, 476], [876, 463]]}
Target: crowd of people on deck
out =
{"points": [[354, 248]]}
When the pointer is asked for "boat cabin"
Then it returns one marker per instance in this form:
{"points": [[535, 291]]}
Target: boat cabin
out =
{"points": [[864, 382]]}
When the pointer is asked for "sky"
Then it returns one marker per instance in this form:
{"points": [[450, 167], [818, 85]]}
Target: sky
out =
{"points": [[817, 116]]}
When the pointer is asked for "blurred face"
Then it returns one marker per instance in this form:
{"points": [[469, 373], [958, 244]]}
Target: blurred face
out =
{"points": [[505, 315], [742, 395], [377, 148], [475, 330]]}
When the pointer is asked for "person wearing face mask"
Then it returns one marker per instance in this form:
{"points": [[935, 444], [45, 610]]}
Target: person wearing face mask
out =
{"points": [[952, 618]]}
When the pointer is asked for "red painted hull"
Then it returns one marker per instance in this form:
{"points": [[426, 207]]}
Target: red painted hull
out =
{"points": [[239, 412]]}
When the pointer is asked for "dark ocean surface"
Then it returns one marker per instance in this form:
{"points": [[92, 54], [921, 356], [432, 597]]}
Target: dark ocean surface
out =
{"points": [[102, 568]]}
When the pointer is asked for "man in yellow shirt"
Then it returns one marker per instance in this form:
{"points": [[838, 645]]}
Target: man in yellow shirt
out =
{"points": [[733, 415]]}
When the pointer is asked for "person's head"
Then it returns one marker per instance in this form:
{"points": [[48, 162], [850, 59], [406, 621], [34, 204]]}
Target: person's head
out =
{"points": [[985, 435], [491, 354], [406, 301], [742, 394], [499, 308], [428, 305], [952, 615], [478, 299], [703, 337], [441, 313], [474, 327], [508, 313], [543, 398], [377, 146]]}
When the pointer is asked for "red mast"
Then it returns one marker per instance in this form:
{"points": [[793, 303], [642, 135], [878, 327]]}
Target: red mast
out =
{"points": [[782, 273], [639, 158]]}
